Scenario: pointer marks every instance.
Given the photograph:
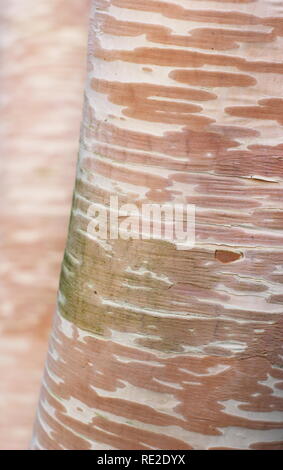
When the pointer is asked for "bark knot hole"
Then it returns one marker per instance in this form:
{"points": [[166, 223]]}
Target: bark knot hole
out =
{"points": [[227, 256]]}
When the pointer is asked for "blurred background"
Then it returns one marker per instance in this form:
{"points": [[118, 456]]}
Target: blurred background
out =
{"points": [[43, 63]]}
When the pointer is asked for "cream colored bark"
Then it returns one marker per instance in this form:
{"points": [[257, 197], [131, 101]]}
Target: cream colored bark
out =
{"points": [[154, 347]]}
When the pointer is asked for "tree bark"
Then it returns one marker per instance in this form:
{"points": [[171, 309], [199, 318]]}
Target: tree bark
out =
{"points": [[155, 347]]}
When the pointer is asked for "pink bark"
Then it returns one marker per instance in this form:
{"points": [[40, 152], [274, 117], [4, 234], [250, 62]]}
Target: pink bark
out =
{"points": [[154, 347]]}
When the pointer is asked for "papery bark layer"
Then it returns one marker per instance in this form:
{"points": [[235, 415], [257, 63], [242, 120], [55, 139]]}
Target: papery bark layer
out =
{"points": [[155, 347]]}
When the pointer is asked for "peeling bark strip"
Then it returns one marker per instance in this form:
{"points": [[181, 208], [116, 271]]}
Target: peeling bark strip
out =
{"points": [[154, 347]]}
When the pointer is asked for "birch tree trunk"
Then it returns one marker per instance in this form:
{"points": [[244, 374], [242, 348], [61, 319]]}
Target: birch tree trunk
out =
{"points": [[155, 347]]}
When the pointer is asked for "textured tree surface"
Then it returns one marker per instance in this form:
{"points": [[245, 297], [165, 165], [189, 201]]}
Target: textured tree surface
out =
{"points": [[153, 347], [42, 49]]}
